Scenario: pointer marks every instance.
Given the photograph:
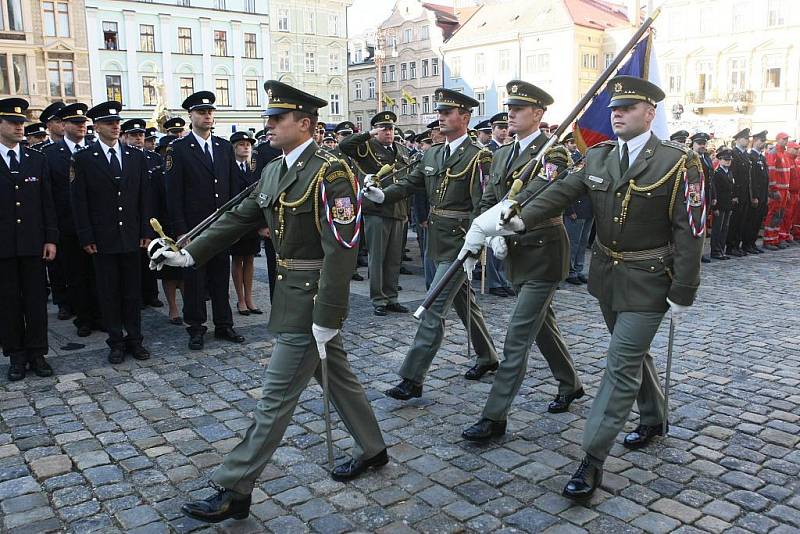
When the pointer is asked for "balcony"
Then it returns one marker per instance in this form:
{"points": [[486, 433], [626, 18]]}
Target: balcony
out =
{"points": [[735, 100]]}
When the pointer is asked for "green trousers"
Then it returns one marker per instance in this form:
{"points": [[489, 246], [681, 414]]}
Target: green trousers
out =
{"points": [[294, 360], [532, 320], [431, 328], [385, 244], [630, 376]]}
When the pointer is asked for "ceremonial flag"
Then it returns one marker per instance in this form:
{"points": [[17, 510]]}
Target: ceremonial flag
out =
{"points": [[408, 98], [389, 101], [594, 125]]}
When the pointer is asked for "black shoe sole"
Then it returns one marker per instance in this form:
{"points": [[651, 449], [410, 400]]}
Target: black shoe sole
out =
{"points": [[492, 369], [402, 397], [578, 395], [373, 467], [215, 520], [483, 439]]}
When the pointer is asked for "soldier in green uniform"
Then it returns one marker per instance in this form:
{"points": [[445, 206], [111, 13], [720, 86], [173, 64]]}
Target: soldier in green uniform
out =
{"points": [[451, 173], [308, 199], [536, 261], [383, 225], [648, 199]]}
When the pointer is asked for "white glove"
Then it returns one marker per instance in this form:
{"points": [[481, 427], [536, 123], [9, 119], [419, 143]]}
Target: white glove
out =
{"points": [[322, 335], [498, 246], [154, 246], [511, 227], [676, 311], [470, 261], [374, 194], [488, 220], [370, 181], [166, 256]]}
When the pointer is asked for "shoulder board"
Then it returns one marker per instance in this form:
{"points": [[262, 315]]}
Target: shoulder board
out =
{"points": [[323, 153], [437, 144], [678, 146], [35, 149], [608, 142]]}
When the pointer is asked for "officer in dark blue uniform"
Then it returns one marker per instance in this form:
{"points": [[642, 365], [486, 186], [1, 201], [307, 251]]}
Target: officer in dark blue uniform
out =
{"points": [[201, 175], [76, 264], [175, 126], [55, 127], [499, 124], [110, 203], [28, 236], [35, 133], [150, 139]]}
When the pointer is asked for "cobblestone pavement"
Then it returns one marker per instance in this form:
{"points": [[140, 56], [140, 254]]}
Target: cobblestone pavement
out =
{"points": [[119, 448]]}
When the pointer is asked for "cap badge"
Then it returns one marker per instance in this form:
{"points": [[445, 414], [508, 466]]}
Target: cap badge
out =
{"points": [[386, 116], [79, 111], [112, 111], [205, 101], [514, 88], [618, 87]]}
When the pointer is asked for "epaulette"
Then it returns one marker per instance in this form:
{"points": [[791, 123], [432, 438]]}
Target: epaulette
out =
{"points": [[81, 149], [673, 144], [607, 142], [323, 154]]}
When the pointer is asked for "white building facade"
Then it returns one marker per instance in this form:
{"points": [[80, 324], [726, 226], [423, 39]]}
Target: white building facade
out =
{"points": [[141, 52]]}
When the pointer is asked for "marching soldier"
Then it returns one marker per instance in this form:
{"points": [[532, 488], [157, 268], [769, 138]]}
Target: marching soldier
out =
{"points": [[317, 255], [201, 175], [134, 134], [110, 198], [76, 263], [383, 223], [538, 261], [451, 175], [28, 237], [759, 187], [645, 261], [499, 124], [55, 127], [175, 126], [35, 133]]}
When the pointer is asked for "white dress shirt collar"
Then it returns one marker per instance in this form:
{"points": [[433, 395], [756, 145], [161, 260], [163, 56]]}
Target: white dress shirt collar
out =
{"points": [[455, 143], [4, 150], [117, 151], [526, 141], [635, 146], [292, 157], [203, 142], [72, 146]]}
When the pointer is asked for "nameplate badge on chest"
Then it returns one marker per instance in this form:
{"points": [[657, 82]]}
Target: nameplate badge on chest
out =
{"points": [[428, 168], [30, 179], [596, 179]]}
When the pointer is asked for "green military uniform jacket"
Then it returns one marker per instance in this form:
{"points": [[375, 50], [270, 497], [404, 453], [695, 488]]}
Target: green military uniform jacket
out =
{"points": [[657, 203], [454, 192], [298, 220], [540, 253], [369, 156]]}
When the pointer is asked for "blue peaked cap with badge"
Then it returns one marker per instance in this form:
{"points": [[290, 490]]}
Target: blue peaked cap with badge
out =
{"points": [[105, 112], [199, 100], [13, 109]]}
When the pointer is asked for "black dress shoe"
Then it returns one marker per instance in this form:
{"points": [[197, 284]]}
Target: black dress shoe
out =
{"points": [[362, 261], [223, 505], [477, 371], [583, 278], [353, 468], [643, 435], [510, 291], [484, 429], [139, 352], [16, 372], [380, 311], [561, 402], [574, 280], [64, 313], [40, 366], [735, 253], [396, 307], [405, 390], [583, 483], [357, 277], [155, 303], [243, 312], [255, 311], [498, 292], [116, 355], [705, 259], [227, 333], [196, 341], [84, 330]]}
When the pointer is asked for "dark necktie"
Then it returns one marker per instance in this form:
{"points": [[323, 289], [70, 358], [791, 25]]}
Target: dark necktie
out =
{"points": [[514, 154], [208, 155], [116, 169], [13, 164], [284, 169], [446, 154], [241, 166], [624, 162]]}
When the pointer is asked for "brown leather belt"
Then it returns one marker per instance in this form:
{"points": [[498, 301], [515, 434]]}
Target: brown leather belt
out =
{"points": [[451, 214], [300, 265], [635, 255]]}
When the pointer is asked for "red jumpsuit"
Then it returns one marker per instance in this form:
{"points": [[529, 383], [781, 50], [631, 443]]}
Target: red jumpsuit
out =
{"points": [[779, 164], [792, 202], [795, 229]]}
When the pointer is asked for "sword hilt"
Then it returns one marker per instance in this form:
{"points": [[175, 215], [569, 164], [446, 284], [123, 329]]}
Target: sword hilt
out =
{"points": [[156, 226]]}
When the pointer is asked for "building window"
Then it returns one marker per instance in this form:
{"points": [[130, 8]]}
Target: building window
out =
{"points": [[772, 71], [14, 16], [737, 68], [589, 61], [334, 61], [414, 107], [775, 12], [705, 76], [250, 6], [412, 70], [310, 22], [455, 67], [423, 33], [424, 68], [114, 87], [222, 92], [187, 87], [742, 17], [608, 59], [149, 91], [333, 25], [480, 64], [220, 43], [538, 64], [184, 40], [674, 81], [15, 80], [110, 37], [359, 122], [250, 45], [371, 89], [408, 35], [504, 60], [392, 73], [383, 74], [334, 104], [251, 92], [5, 87], [480, 96], [61, 76], [219, 4], [403, 71], [284, 63], [184, 3], [56, 19], [435, 66], [147, 38], [426, 104], [283, 20], [311, 62], [404, 107], [357, 93]]}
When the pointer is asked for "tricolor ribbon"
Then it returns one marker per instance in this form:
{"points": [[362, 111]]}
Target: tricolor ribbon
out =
{"points": [[329, 216], [696, 232]]}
